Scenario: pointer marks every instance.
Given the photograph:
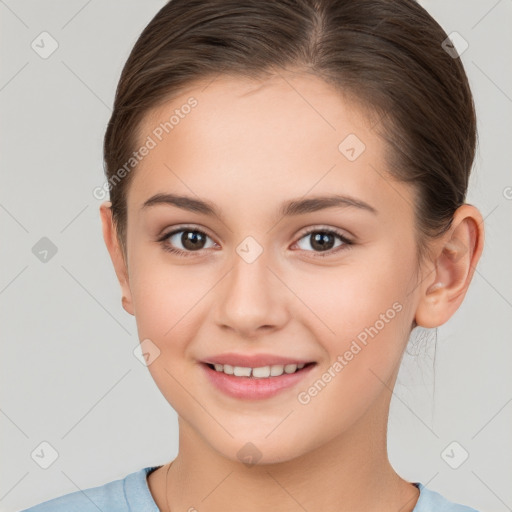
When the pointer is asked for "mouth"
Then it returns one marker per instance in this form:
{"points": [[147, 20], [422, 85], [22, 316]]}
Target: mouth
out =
{"points": [[255, 383], [261, 372]]}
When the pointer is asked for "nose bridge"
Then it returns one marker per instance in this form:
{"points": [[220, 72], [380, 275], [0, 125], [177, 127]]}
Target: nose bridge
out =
{"points": [[252, 297]]}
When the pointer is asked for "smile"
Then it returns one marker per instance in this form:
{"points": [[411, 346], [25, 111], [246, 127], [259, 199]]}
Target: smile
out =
{"points": [[257, 383], [261, 372]]}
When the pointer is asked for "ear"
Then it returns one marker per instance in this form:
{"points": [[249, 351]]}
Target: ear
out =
{"points": [[114, 248], [455, 258]]}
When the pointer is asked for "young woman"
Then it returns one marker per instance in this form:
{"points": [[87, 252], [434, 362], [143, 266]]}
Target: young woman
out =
{"points": [[287, 203]]}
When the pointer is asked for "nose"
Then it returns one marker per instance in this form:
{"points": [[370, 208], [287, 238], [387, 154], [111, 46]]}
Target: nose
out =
{"points": [[252, 300]]}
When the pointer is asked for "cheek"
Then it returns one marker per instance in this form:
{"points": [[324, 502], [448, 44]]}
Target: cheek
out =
{"points": [[368, 315], [347, 299], [167, 302], [166, 299], [362, 315]]}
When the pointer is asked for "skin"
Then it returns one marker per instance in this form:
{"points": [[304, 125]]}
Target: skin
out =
{"points": [[247, 147]]}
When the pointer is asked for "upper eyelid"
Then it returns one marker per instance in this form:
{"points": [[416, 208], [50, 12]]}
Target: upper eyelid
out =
{"points": [[336, 231], [173, 231]]}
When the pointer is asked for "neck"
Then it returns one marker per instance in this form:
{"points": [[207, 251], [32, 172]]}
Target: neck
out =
{"points": [[349, 472]]}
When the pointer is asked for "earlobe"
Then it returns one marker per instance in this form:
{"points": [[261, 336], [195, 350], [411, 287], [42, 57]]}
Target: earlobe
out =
{"points": [[457, 255], [114, 249]]}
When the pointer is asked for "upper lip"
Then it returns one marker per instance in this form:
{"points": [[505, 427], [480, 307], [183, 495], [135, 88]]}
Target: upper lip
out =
{"points": [[254, 360]]}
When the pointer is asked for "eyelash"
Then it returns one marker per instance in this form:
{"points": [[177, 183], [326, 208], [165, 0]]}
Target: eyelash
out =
{"points": [[345, 246]]}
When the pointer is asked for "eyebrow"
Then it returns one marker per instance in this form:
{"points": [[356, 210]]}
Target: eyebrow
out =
{"points": [[289, 208]]}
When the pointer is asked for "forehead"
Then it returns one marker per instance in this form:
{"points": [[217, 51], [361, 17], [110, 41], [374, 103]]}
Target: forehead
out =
{"points": [[285, 136]]}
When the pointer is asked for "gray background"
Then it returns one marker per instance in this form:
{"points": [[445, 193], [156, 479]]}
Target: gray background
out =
{"points": [[68, 374]]}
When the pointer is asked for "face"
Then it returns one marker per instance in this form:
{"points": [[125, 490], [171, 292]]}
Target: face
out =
{"points": [[281, 268]]}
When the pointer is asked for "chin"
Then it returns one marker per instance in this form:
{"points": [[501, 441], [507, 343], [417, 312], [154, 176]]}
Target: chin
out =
{"points": [[260, 451]]}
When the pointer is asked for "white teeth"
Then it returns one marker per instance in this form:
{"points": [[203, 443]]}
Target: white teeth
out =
{"points": [[290, 368], [276, 370], [261, 372], [227, 369], [264, 371], [240, 371]]}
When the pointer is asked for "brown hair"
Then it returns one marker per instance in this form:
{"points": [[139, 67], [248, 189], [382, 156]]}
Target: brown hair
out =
{"points": [[385, 54]]}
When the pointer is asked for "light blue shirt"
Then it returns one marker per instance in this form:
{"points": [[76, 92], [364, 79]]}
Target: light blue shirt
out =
{"points": [[131, 494]]}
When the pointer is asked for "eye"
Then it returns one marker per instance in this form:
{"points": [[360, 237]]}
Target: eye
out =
{"points": [[194, 240], [191, 239], [322, 240]]}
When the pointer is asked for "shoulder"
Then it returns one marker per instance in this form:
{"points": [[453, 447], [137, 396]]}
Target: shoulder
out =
{"points": [[116, 496], [432, 501]]}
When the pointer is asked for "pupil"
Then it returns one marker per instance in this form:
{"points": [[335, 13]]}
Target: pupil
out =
{"points": [[190, 239], [321, 241]]}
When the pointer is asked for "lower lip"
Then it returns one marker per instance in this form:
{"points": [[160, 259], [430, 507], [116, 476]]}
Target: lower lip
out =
{"points": [[253, 388]]}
